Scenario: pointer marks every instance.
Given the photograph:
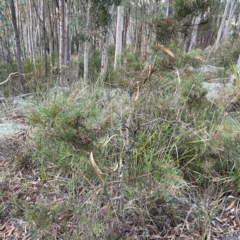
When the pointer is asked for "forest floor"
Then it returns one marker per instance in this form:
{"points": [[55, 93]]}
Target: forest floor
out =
{"points": [[21, 187]]}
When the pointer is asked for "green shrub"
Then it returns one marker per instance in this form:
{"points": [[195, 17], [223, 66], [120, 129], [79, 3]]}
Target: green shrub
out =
{"points": [[65, 132]]}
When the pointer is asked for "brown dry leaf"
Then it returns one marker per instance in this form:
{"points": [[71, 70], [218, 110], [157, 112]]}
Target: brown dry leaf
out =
{"points": [[10, 231], [104, 207], [3, 226], [137, 93], [95, 166], [220, 230], [166, 50], [230, 206], [199, 58], [173, 237], [237, 221], [196, 235], [213, 203], [99, 191], [183, 236], [209, 235]]}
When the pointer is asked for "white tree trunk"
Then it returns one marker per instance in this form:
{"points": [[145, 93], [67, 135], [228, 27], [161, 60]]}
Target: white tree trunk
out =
{"points": [[232, 77], [230, 17], [67, 57], [194, 33], [78, 61], [61, 33], [86, 44], [104, 60], [31, 33], [220, 30], [118, 50]]}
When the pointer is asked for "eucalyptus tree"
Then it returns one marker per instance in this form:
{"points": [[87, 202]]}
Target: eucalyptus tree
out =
{"points": [[6, 39], [97, 16], [17, 38], [119, 30], [226, 22]]}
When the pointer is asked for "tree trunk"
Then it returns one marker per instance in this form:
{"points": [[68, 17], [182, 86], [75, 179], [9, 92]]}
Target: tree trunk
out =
{"points": [[118, 50], [86, 44], [230, 17], [61, 36], [126, 24], [78, 61], [44, 38], [68, 42], [32, 47], [18, 54], [194, 33], [220, 30], [104, 60]]}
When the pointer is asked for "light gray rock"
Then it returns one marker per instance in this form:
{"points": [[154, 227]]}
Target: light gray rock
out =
{"points": [[59, 90], [209, 68], [9, 128], [214, 87]]}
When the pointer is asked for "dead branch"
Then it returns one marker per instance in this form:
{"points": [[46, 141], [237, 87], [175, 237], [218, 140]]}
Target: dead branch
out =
{"points": [[9, 77], [12, 74]]}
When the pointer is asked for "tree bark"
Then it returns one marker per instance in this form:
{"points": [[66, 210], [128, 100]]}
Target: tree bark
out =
{"points": [[233, 6], [18, 53], [86, 44], [44, 41], [104, 59], [220, 30], [193, 37], [61, 36], [78, 61], [118, 50]]}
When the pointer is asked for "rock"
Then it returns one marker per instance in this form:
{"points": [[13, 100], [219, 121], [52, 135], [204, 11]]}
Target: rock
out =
{"points": [[209, 68], [59, 90], [9, 128], [214, 89]]}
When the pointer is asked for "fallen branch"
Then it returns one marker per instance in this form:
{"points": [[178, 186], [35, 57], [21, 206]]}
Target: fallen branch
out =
{"points": [[11, 74], [8, 78]]}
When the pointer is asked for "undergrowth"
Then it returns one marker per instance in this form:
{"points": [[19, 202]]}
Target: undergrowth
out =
{"points": [[139, 153]]}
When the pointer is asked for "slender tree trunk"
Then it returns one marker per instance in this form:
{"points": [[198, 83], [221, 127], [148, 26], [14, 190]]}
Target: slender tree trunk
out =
{"points": [[118, 50], [86, 44], [221, 28], [193, 37], [18, 55], [126, 24], [32, 47], [44, 40], [61, 36], [78, 61], [233, 6], [232, 77], [104, 60], [68, 41]]}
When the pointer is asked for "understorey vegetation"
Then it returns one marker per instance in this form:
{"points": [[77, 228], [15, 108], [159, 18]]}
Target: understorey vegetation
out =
{"points": [[139, 152], [133, 136]]}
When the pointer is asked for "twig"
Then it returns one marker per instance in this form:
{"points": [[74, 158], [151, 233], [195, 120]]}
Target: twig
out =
{"points": [[124, 170], [9, 77], [11, 74]]}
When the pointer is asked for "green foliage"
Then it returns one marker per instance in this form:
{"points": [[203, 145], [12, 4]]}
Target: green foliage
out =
{"points": [[183, 8], [94, 66], [184, 62], [100, 11], [227, 53], [175, 142], [65, 133], [28, 68], [181, 22]]}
